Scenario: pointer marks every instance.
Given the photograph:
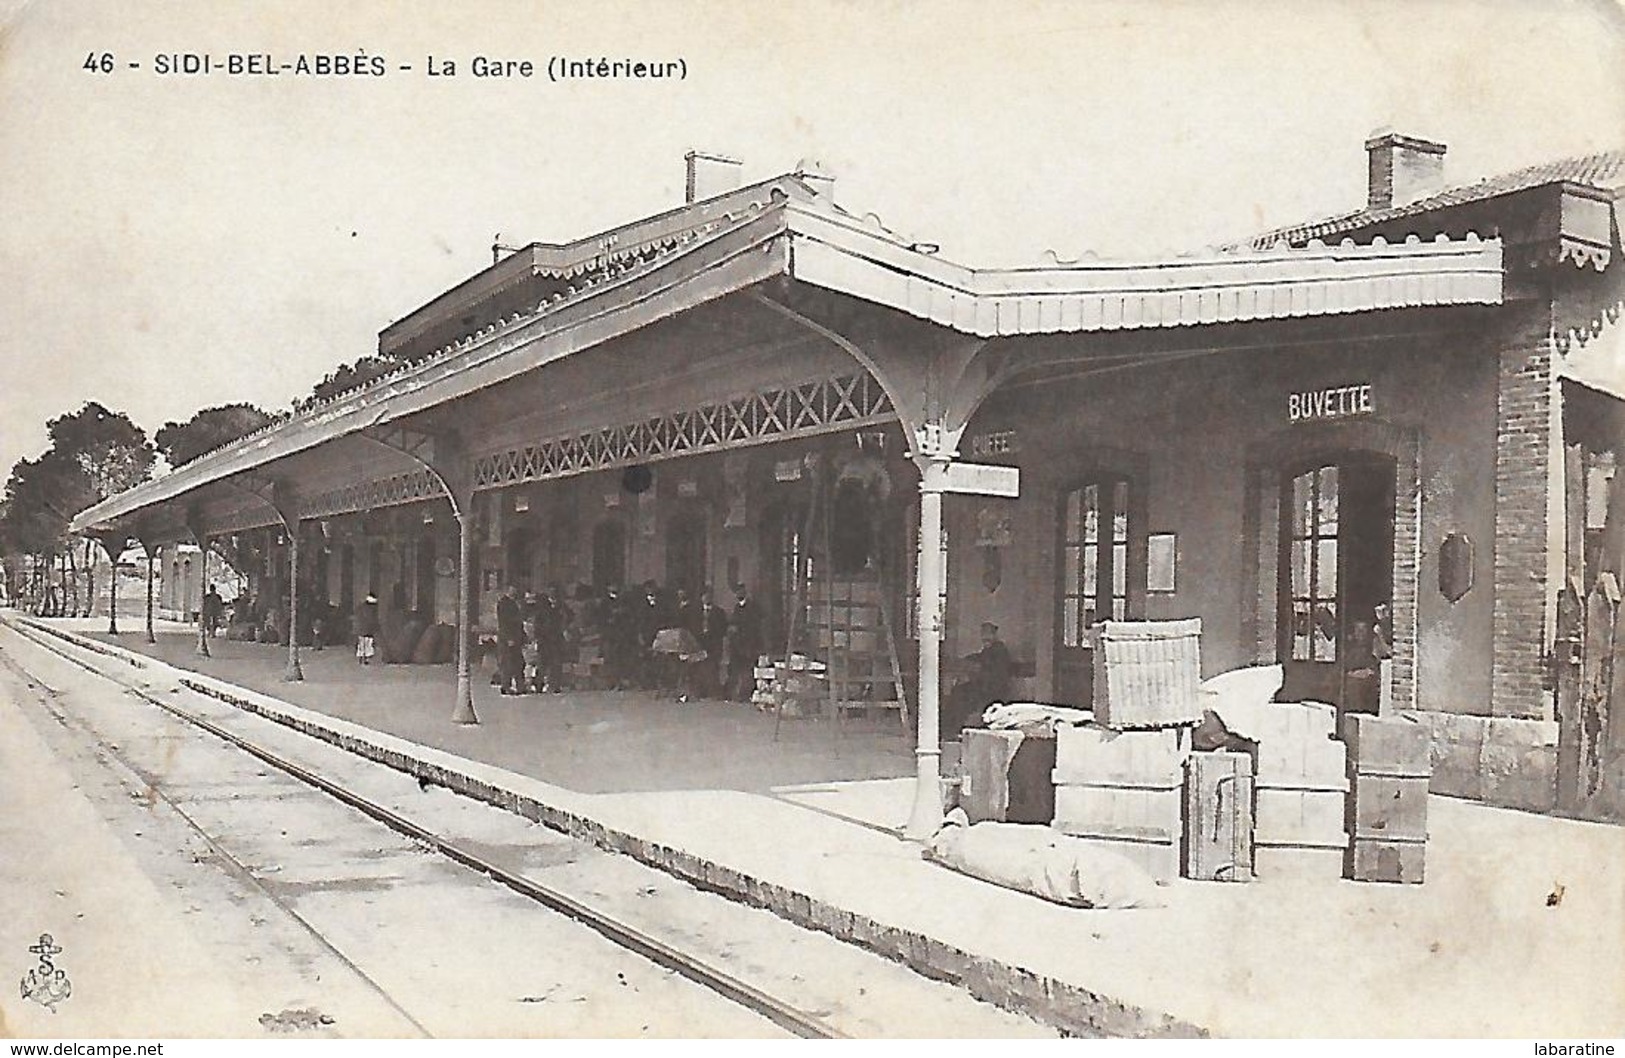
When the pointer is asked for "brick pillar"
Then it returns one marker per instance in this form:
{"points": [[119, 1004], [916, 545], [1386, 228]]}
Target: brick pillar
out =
{"points": [[1522, 452], [1407, 452]]}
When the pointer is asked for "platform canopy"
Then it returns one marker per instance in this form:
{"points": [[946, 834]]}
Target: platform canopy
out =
{"points": [[663, 316]]}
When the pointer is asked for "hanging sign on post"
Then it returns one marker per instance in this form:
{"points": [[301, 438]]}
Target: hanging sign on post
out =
{"points": [[983, 479]]}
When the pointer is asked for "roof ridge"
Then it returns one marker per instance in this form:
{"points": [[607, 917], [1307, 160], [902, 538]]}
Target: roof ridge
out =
{"points": [[617, 265], [1576, 169]]}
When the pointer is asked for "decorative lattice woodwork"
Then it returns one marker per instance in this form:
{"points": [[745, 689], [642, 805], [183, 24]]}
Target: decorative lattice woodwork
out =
{"points": [[801, 410]]}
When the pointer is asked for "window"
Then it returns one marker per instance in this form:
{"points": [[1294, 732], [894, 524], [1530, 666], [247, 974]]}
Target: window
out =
{"points": [[1094, 555], [1312, 564]]}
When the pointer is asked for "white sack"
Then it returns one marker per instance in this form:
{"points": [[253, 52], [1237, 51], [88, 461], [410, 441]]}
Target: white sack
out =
{"points": [[1043, 862], [1240, 698], [1005, 715]]}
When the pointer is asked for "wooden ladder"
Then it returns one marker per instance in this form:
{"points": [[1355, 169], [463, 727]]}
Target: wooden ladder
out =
{"points": [[848, 624]]}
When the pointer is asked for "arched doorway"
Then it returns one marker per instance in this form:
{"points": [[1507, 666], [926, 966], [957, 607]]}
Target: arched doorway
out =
{"points": [[521, 556], [347, 578], [1335, 577], [852, 539]]}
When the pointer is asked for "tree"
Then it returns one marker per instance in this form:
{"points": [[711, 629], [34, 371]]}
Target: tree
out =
{"points": [[112, 452], [344, 377], [182, 442], [41, 496], [94, 454]]}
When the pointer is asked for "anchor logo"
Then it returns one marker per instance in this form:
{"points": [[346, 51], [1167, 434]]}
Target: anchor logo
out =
{"points": [[46, 984]]}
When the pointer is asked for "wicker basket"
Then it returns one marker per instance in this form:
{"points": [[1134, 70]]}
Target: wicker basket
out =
{"points": [[1147, 673]]}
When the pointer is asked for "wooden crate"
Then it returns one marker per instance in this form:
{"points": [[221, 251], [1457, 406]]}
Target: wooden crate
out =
{"points": [[1388, 861], [1218, 820], [1296, 861], [1005, 776], [1295, 743], [1390, 808], [1313, 818], [1122, 791], [1390, 768], [1380, 745], [1089, 753], [1147, 673], [1141, 823]]}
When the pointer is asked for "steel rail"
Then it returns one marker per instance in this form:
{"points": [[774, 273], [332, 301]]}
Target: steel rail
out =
{"points": [[48, 701], [798, 1022]]}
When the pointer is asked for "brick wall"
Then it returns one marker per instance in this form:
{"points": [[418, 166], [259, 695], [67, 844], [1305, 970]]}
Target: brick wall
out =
{"points": [[1522, 447]]}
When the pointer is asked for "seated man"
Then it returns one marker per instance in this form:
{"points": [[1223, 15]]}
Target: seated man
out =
{"points": [[986, 682]]}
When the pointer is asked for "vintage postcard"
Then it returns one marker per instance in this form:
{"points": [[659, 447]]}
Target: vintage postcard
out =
{"points": [[713, 520]]}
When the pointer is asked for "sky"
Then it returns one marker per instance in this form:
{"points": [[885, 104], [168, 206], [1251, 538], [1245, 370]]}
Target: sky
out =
{"points": [[170, 242]]}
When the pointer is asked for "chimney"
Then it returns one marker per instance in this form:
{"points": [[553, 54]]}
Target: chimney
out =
{"points": [[710, 175], [1401, 169], [815, 176]]}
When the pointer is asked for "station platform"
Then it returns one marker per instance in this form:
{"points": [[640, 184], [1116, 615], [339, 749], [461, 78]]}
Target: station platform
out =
{"points": [[1516, 932]]}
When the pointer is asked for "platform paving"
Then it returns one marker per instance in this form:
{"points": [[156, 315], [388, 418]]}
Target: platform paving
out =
{"points": [[805, 826]]}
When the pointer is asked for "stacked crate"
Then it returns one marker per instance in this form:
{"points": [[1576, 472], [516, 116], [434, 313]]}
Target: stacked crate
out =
{"points": [[762, 695], [1120, 790], [1119, 781], [1219, 817], [794, 687], [1300, 786], [1389, 768], [1007, 776]]}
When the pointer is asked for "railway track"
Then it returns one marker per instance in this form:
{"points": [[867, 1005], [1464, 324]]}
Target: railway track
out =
{"points": [[625, 935]]}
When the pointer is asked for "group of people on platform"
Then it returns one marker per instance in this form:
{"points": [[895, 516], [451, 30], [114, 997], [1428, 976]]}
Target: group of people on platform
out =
{"points": [[676, 642]]}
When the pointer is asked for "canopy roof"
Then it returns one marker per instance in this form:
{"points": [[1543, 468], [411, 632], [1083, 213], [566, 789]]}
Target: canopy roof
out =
{"points": [[643, 271]]}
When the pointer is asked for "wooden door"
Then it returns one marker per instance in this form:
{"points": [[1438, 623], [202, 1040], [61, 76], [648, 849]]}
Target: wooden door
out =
{"points": [[1094, 578], [1336, 580]]}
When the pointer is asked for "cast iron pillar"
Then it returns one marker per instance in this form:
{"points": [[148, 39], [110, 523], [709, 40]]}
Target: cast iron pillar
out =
{"points": [[147, 547], [933, 455], [463, 709], [200, 537], [112, 545], [293, 673]]}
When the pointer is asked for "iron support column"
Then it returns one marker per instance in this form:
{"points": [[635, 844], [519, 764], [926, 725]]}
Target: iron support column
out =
{"points": [[933, 460], [150, 550], [463, 710], [294, 673]]}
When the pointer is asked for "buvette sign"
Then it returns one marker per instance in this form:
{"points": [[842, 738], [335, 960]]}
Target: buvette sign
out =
{"points": [[1337, 402]]}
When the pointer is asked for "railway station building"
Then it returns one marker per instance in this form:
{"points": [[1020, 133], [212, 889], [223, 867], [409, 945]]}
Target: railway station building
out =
{"points": [[1352, 447]]}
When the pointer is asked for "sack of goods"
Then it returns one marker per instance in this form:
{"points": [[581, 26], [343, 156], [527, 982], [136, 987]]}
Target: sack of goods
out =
{"points": [[1039, 861]]}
